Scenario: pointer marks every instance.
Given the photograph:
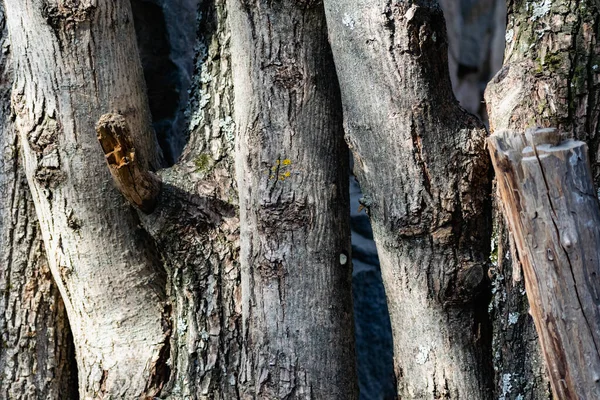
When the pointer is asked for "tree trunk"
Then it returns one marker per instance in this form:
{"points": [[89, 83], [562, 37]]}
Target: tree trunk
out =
{"points": [[292, 170], [196, 225], [552, 209], [36, 350], [421, 162], [73, 63], [549, 79]]}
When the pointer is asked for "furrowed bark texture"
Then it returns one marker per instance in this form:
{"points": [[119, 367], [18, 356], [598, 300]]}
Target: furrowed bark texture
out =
{"points": [[196, 227], [552, 208], [36, 350], [550, 78], [292, 171], [73, 63], [421, 162]]}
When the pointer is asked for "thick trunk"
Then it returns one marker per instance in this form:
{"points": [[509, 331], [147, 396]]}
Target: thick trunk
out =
{"points": [[421, 162], [196, 226], [551, 206], [292, 170], [550, 79], [36, 349], [73, 63]]}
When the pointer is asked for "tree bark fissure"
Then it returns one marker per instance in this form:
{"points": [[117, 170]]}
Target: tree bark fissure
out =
{"points": [[292, 171], [421, 162], [72, 64], [549, 79], [551, 204], [36, 350]]}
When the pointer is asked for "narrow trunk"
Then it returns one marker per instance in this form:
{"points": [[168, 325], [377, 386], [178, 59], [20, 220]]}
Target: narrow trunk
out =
{"points": [[292, 170], [36, 348], [73, 63], [421, 162], [550, 78]]}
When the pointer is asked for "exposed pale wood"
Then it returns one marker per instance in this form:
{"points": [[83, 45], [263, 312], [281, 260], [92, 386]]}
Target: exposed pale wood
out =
{"points": [[552, 208], [421, 162], [139, 186], [550, 78]]}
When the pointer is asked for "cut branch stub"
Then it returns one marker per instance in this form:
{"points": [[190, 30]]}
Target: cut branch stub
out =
{"points": [[550, 203], [139, 186]]}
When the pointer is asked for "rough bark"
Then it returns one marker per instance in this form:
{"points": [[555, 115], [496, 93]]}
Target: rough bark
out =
{"points": [[196, 226], [73, 63], [421, 162], [550, 78], [292, 172], [551, 205], [36, 350]]}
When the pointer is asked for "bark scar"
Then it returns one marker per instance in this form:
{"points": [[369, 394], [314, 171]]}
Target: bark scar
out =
{"points": [[139, 186]]}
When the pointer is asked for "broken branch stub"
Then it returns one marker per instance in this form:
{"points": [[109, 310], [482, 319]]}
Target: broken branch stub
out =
{"points": [[139, 186], [550, 203]]}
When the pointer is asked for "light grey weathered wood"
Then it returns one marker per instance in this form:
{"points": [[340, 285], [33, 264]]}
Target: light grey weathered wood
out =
{"points": [[552, 208]]}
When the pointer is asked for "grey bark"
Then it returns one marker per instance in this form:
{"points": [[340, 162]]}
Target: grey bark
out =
{"points": [[421, 162], [292, 171], [196, 227], [549, 79], [551, 206], [36, 351], [72, 64]]}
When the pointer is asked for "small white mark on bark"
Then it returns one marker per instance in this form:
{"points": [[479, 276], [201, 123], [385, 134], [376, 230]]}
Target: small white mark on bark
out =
{"points": [[506, 386], [181, 326], [410, 13], [513, 318], [348, 21], [423, 355], [540, 8], [595, 67], [343, 259], [227, 126], [509, 36]]}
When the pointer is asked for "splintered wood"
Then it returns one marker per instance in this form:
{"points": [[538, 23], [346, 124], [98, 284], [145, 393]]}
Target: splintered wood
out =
{"points": [[139, 186], [551, 206]]}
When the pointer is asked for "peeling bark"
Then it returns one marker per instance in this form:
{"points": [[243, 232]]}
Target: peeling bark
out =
{"points": [[421, 162]]}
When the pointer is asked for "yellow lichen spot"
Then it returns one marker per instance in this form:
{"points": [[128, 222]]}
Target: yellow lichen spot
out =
{"points": [[287, 174], [272, 177], [277, 162], [281, 177], [287, 161], [274, 168]]}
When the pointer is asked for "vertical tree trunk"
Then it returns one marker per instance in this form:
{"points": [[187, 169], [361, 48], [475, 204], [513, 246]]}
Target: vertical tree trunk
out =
{"points": [[73, 63], [292, 170], [551, 206], [196, 227], [550, 78], [36, 349], [421, 162]]}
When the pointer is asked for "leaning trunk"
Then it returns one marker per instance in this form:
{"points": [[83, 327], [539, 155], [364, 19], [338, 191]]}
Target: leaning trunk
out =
{"points": [[421, 162], [36, 350], [73, 63]]}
